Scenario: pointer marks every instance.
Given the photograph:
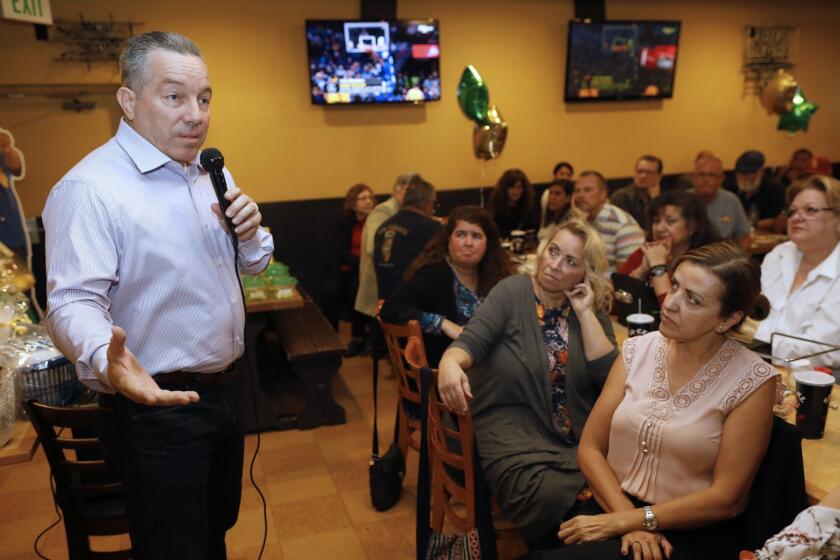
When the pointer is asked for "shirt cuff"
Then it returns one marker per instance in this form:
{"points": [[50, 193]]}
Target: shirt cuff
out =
{"points": [[99, 365], [431, 323]]}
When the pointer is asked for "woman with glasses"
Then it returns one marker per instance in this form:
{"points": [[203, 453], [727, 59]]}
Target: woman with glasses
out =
{"points": [[535, 356], [801, 277], [340, 293]]}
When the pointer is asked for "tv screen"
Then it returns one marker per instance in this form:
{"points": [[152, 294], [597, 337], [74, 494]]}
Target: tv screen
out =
{"points": [[352, 61], [621, 60]]}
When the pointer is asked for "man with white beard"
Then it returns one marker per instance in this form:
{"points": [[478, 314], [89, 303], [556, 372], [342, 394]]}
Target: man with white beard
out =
{"points": [[763, 199]]}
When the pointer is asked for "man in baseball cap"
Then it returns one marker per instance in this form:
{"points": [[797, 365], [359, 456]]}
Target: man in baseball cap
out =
{"points": [[762, 198]]}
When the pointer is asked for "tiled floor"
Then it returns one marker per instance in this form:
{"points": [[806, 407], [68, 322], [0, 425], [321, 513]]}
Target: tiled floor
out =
{"points": [[315, 483]]}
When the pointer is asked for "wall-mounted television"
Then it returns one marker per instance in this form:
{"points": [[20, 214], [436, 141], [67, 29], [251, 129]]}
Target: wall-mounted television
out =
{"points": [[609, 60], [356, 61]]}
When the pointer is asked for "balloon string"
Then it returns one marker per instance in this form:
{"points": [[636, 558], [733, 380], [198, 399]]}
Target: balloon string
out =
{"points": [[481, 167]]}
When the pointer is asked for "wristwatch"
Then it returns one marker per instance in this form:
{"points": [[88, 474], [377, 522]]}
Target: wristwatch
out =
{"points": [[658, 270], [650, 523]]}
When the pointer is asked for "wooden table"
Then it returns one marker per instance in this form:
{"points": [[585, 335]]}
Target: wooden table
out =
{"points": [[763, 242], [22, 445], [821, 457]]}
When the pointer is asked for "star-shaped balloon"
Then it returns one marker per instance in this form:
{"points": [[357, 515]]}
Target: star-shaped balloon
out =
{"points": [[799, 115]]}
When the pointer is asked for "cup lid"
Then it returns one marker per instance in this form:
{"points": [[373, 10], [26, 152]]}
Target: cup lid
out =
{"points": [[640, 318], [811, 377]]}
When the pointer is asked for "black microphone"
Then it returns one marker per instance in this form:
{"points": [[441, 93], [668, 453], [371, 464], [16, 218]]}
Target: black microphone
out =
{"points": [[213, 162]]}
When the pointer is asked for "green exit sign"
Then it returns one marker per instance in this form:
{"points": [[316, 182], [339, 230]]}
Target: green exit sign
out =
{"points": [[32, 11]]}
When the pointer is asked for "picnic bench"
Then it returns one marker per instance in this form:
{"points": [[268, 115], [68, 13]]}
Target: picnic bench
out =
{"points": [[314, 352]]}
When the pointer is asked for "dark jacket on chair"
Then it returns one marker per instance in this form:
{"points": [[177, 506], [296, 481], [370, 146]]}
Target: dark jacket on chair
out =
{"points": [[429, 290], [778, 491]]}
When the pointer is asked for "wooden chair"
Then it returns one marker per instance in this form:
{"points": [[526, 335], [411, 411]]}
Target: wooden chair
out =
{"points": [[452, 455], [88, 493], [408, 383]]}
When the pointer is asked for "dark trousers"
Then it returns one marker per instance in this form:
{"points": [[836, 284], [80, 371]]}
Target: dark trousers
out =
{"points": [[181, 468], [714, 541]]}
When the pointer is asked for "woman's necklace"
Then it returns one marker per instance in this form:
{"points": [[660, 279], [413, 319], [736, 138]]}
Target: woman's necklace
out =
{"points": [[542, 301]]}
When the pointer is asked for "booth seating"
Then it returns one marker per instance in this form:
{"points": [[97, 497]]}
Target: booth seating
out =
{"points": [[88, 493], [315, 352]]}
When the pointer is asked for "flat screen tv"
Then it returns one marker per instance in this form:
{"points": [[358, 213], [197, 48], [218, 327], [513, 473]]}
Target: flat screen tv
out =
{"points": [[609, 60], [354, 61]]}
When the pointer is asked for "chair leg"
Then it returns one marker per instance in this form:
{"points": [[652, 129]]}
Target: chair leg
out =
{"points": [[78, 546], [404, 430]]}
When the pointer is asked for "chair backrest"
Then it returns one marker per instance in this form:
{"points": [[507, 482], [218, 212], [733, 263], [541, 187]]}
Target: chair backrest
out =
{"points": [[396, 337], [778, 490], [88, 492], [451, 451], [66, 451]]}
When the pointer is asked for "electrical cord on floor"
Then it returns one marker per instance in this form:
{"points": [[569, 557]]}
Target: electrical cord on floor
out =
{"points": [[253, 402], [56, 522]]}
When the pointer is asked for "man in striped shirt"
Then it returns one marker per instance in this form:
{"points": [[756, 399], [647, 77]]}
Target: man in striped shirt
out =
{"points": [[144, 297], [620, 232]]}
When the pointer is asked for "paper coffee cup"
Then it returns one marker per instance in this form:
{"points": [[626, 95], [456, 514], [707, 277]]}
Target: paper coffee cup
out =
{"points": [[813, 389], [517, 240], [639, 324]]}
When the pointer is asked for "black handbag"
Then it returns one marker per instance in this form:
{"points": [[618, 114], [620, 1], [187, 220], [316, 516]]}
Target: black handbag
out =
{"points": [[386, 472]]}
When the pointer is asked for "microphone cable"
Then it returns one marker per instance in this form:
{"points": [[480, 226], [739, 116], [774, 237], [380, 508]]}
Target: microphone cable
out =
{"points": [[235, 242]]}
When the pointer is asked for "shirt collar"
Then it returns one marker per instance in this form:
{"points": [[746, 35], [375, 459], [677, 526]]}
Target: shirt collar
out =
{"points": [[830, 267], [144, 155]]}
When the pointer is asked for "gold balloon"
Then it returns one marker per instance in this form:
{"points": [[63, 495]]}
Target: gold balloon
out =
{"points": [[777, 95], [489, 139]]}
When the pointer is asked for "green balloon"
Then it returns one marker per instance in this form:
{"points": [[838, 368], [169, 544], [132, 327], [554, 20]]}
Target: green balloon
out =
{"points": [[797, 118], [473, 96]]}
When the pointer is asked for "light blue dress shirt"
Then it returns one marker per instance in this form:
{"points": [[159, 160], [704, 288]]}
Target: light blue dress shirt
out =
{"points": [[131, 240]]}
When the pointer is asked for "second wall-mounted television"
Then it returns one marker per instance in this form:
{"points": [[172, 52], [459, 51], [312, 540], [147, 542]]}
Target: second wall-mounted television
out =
{"points": [[617, 60], [355, 61]]}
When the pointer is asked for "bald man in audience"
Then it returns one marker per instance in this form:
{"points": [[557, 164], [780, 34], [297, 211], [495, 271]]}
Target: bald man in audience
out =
{"points": [[723, 208], [619, 230]]}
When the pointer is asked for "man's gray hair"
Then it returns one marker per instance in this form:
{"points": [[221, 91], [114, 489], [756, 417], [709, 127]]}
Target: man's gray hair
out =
{"points": [[403, 180], [134, 58], [418, 193]]}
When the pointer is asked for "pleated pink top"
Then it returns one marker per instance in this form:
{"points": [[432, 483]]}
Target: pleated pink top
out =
{"points": [[664, 445]]}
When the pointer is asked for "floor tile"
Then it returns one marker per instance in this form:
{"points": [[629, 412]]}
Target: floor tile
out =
{"points": [[391, 538], [300, 485], [341, 544], [360, 509], [291, 458], [308, 517]]}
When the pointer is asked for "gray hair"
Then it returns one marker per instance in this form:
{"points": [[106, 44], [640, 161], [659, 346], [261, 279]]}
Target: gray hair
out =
{"points": [[403, 181], [134, 58], [418, 193]]}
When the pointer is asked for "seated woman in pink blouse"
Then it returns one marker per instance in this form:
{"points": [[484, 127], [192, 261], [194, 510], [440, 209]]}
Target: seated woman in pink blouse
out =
{"points": [[673, 443]]}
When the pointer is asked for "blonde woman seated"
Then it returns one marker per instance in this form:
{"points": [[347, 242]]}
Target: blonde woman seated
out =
{"points": [[675, 439], [538, 350]]}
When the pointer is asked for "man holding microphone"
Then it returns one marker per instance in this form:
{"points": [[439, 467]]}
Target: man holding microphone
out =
{"points": [[143, 295]]}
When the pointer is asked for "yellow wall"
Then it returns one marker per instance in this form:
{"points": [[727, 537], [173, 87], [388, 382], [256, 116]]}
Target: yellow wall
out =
{"points": [[282, 148]]}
